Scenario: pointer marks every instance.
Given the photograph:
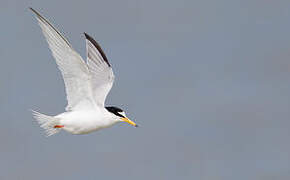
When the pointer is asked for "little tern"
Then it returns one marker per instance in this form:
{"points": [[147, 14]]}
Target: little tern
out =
{"points": [[87, 85]]}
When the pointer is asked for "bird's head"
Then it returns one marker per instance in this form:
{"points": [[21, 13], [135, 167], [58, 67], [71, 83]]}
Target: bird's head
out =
{"points": [[120, 115]]}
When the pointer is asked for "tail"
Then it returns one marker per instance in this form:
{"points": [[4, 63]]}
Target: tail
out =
{"points": [[48, 123]]}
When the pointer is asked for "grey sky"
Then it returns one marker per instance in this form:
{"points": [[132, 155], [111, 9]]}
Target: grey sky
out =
{"points": [[206, 80]]}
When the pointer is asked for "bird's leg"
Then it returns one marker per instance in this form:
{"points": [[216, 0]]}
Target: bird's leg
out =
{"points": [[58, 126]]}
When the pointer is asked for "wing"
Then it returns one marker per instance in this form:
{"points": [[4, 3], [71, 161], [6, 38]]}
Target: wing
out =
{"points": [[102, 76], [74, 70]]}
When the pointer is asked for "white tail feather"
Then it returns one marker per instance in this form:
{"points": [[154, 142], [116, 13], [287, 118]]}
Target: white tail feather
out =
{"points": [[47, 123]]}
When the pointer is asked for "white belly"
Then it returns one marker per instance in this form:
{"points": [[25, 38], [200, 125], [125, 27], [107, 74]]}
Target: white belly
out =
{"points": [[83, 122]]}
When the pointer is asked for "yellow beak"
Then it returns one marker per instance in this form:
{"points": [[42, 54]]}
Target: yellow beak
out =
{"points": [[129, 121]]}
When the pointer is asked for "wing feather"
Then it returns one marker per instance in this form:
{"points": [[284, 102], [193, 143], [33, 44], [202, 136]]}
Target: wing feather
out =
{"points": [[75, 71], [102, 76]]}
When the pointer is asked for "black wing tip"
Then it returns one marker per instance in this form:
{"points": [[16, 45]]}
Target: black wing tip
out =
{"points": [[94, 42], [87, 36], [33, 10], [37, 14]]}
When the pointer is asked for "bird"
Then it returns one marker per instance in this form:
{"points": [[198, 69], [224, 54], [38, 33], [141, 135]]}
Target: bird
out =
{"points": [[87, 84]]}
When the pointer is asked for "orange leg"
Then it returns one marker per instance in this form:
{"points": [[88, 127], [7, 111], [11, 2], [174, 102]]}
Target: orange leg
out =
{"points": [[58, 126]]}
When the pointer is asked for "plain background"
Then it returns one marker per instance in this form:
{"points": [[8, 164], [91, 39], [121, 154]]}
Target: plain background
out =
{"points": [[206, 80]]}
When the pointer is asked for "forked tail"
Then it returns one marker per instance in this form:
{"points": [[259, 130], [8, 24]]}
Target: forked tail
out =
{"points": [[48, 123]]}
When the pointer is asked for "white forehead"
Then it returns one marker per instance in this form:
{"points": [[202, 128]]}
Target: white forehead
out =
{"points": [[123, 113]]}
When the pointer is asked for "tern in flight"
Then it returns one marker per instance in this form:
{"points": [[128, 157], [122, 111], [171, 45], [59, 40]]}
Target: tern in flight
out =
{"points": [[86, 83]]}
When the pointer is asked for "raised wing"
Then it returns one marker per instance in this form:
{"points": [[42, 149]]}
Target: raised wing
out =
{"points": [[102, 76], [74, 70]]}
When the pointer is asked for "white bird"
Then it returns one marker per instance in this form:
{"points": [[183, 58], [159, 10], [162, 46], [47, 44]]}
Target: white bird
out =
{"points": [[86, 83]]}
